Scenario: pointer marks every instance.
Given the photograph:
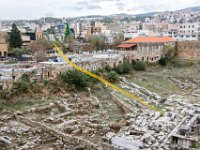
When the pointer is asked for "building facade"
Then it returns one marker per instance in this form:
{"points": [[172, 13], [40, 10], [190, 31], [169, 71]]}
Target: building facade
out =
{"points": [[149, 49], [3, 44]]}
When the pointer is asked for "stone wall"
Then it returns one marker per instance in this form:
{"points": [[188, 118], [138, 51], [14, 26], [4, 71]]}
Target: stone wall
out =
{"points": [[87, 65], [6, 84], [3, 49], [189, 49], [64, 137], [3, 44]]}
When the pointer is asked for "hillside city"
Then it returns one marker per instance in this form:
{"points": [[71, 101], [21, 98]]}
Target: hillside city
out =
{"points": [[46, 103]]}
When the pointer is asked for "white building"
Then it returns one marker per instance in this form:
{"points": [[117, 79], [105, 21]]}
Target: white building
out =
{"points": [[189, 31], [129, 33]]}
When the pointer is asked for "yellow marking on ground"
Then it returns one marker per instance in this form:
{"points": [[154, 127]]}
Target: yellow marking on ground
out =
{"points": [[104, 81]]}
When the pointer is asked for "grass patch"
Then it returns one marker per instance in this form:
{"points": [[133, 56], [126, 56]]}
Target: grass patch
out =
{"points": [[24, 104], [158, 84]]}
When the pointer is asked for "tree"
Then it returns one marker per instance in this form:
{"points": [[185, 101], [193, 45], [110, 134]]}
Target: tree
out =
{"points": [[64, 48], [67, 31], [119, 38], [40, 56], [15, 37], [18, 52], [88, 47], [170, 51], [68, 39], [51, 30], [70, 43], [40, 45], [99, 42]]}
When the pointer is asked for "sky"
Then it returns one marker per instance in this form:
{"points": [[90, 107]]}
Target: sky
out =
{"points": [[35, 9]]}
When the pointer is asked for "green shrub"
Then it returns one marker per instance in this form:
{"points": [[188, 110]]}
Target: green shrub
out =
{"points": [[25, 77], [189, 63], [175, 62], [112, 76], [46, 83], [94, 80], [3, 95], [127, 67], [163, 61], [108, 68], [78, 79], [96, 72], [35, 87], [24, 85], [124, 68], [140, 66], [21, 86], [100, 70], [119, 69]]}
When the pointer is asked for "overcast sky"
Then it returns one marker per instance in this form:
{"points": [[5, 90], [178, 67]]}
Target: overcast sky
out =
{"points": [[35, 9]]}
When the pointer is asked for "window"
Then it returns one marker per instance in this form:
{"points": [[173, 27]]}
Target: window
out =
{"points": [[5, 53]]}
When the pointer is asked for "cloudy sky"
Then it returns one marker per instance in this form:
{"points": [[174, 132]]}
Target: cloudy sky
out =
{"points": [[34, 9]]}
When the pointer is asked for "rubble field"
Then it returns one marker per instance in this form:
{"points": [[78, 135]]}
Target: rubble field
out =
{"points": [[101, 118]]}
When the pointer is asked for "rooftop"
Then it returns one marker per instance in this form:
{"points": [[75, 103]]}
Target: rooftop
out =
{"points": [[126, 45], [150, 39]]}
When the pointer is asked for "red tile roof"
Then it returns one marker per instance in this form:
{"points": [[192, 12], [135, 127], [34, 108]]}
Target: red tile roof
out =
{"points": [[126, 45], [150, 39]]}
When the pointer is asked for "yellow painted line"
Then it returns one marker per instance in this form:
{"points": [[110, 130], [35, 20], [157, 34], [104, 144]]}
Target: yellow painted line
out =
{"points": [[104, 81]]}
